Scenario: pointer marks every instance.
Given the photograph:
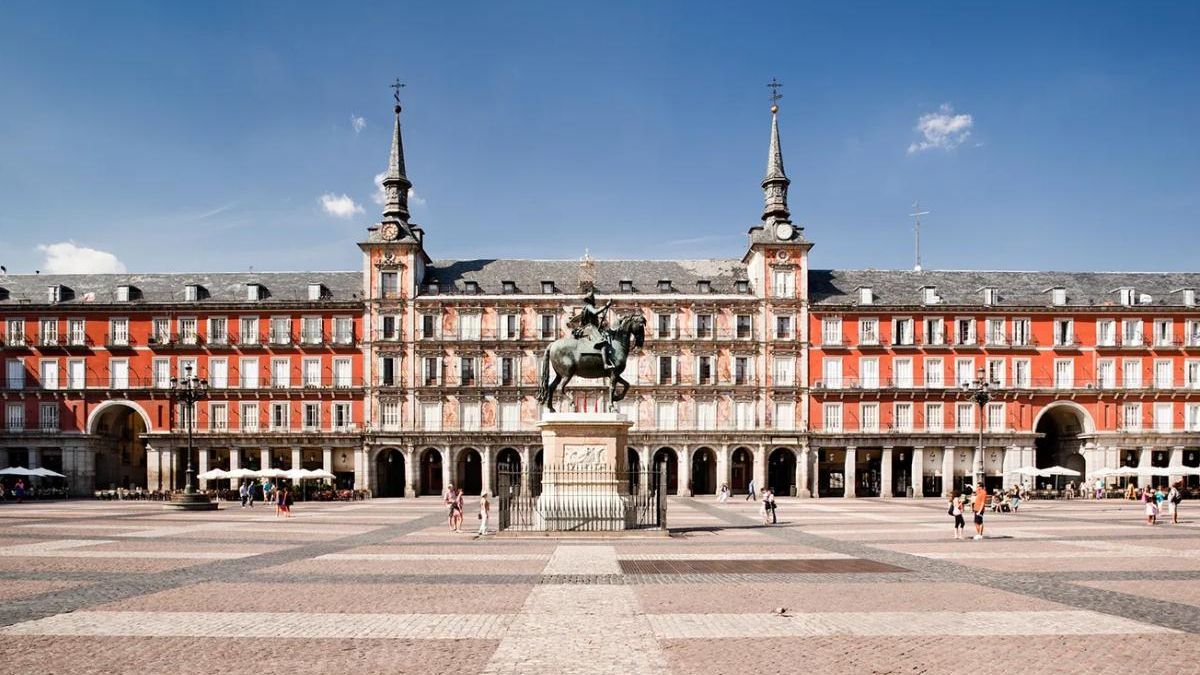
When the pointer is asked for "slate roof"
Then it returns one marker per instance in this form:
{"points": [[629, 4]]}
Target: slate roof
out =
{"points": [[1023, 289], [452, 275], [224, 288]]}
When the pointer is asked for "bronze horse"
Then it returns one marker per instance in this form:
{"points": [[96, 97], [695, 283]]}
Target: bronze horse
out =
{"points": [[573, 357]]}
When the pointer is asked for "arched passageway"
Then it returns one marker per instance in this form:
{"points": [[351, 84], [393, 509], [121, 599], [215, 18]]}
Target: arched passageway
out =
{"points": [[741, 470], [781, 471], [121, 451], [389, 472], [633, 467], [431, 472], [1058, 442], [469, 476], [666, 460], [704, 472]]}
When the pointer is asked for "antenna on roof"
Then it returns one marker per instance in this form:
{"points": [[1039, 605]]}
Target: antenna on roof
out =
{"points": [[916, 216]]}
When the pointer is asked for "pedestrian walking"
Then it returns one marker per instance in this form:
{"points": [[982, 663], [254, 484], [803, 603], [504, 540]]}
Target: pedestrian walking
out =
{"points": [[287, 498], [485, 509], [1151, 506], [978, 507], [242, 490], [459, 504], [250, 493], [751, 491], [1099, 488], [1173, 498], [771, 505], [764, 508], [280, 507], [19, 490], [723, 495], [955, 509], [448, 499]]}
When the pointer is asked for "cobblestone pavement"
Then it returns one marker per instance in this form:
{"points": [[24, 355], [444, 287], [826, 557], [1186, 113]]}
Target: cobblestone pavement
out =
{"points": [[840, 586]]}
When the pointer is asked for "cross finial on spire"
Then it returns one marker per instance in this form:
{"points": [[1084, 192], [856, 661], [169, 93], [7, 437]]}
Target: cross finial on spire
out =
{"points": [[775, 85], [396, 87], [916, 215]]}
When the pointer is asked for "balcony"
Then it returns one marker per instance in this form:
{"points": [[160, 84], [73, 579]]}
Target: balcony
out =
{"points": [[119, 342], [18, 343], [832, 344], [281, 339]]}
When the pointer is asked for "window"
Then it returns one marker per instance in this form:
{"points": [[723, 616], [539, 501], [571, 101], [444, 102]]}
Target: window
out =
{"points": [[831, 330], [664, 325], [1191, 374], [218, 373], [429, 326], [466, 370], [249, 330], [510, 415], [902, 332], [389, 284], [831, 372], [508, 371], [48, 331], [1021, 335], [188, 366], [431, 416], [341, 373], [389, 371], [666, 415], [742, 366], [1193, 333], [744, 327], [253, 292], [1189, 297], [1106, 333], [432, 370], [1021, 373], [1128, 296], [76, 332], [785, 415], [904, 416], [311, 419], [783, 283], [248, 373], [1058, 296], [744, 416], [469, 413], [706, 415], [832, 416], [218, 330], [666, 370], [75, 374], [510, 326], [1131, 332], [310, 373], [118, 332], [191, 293], [1162, 417], [281, 374], [281, 330], [868, 331], [869, 412], [1131, 373], [704, 326], [249, 416], [783, 327], [903, 373], [389, 327], [1106, 374], [1164, 374], [935, 374], [929, 295], [995, 372], [1192, 420], [547, 287], [279, 416], [989, 296], [315, 292], [48, 417], [868, 371], [1064, 374], [311, 330], [343, 330], [784, 371], [49, 374], [1064, 333], [218, 416], [1164, 333], [995, 417], [964, 331], [1131, 417], [935, 330], [935, 417], [118, 374], [995, 331], [964, 416], [704, 370], [14, 373], [547, 325], [15, 417], [339, 416], [964, 372], [187, 331], [866, 296], [390, 415], [469, 326]]}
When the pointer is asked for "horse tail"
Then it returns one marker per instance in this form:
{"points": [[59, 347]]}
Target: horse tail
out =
{"points": [[544, 377]]}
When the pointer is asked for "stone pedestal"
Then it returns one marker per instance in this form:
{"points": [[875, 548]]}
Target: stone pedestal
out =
{"points": [[581, 489]]}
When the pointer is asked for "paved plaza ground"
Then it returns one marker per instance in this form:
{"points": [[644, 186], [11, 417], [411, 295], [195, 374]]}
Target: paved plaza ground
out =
{"points": [[864, 586]]}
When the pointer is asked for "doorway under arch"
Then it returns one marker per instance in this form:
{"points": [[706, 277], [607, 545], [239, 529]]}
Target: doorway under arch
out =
{"points": [[389, 470], [665, 459], [1058, 438], [781, 471], [704, 472], [431, 472], [121, 451], [469, 476], [741, 470]]}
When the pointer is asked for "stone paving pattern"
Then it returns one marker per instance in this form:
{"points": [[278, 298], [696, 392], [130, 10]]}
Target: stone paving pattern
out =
{"points": [[838, 586]]}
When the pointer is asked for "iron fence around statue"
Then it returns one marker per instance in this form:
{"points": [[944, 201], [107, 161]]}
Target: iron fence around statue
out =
{"points": [[580, 500]]}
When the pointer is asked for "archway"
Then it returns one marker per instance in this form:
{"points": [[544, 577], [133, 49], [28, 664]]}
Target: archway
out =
{"points": [[741, 470], [469, 476], [389, 471], [431, 472], [704, 472], [1058, 443], [666, 460], [120, 450], [781, 471], [633, 468], [508, 469]]}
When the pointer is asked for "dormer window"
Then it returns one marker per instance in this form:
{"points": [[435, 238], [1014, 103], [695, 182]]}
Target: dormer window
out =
{"points": [[866, 296], [929, 295], [1058, 296], [742, 285], [58, 293], [1189, 297], [547, 286], [124, 293], [432, 288], [704, 286], [255, 292], [1128, 296], [316, 292], [471, 287], [626, 285], [508, 287], [989, 296], [664, 285], [193, 292]]}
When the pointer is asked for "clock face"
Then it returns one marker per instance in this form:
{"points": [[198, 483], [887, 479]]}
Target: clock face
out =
{"points": [[783, 231], [389, 231]]}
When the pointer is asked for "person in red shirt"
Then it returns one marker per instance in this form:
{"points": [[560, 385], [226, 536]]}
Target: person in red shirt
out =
{"points": [[979, 505]]}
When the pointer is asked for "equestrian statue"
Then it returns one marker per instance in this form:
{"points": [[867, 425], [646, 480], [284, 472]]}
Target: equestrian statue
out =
{"points": [[594, 350]]}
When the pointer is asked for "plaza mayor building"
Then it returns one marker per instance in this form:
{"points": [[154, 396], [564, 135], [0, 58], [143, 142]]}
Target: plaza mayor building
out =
{"points": [[414, 372]]}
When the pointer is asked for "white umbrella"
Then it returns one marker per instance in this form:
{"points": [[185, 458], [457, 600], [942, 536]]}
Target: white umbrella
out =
{"points": [[17, 471], [295, 474], [213, 474], [1153, 471], [321, 473], [1059, 471], [270, 473], [238, 474], [1104, 473], [45, 473], [1028, 471]]}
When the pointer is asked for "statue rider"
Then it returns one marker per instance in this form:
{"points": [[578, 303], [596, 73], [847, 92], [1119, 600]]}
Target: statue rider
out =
{"points": [[591, 317]]}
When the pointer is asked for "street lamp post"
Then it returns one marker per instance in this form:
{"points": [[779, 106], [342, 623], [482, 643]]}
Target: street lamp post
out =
{"points": [[188, 390], [979, 391]]}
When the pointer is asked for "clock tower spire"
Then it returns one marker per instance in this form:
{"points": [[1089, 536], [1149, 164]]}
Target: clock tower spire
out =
{"points": [[395, 184], [775, 183]]}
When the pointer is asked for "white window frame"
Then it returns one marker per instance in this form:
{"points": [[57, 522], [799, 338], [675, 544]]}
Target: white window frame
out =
{"points": [[868, 330], [902, 416], [900, 337], [935, 417], [49, 417], [1022, 373], [935, 372], [868, 413], [1064, 380], [248, 422], [831, 416], [905, 381]]}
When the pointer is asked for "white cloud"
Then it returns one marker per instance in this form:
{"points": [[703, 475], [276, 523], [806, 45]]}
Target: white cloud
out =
{"points": [[943, 130], [414, 198], [358, 122], [379, 197], [339, 206], [67, 257]]}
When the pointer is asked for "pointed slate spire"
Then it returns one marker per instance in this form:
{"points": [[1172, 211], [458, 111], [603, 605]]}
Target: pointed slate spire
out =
{"points": [[396, 184], [775, 183]]}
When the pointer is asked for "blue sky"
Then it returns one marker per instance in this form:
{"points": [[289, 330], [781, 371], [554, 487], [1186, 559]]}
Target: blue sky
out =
{"points": [[202, 136]]}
